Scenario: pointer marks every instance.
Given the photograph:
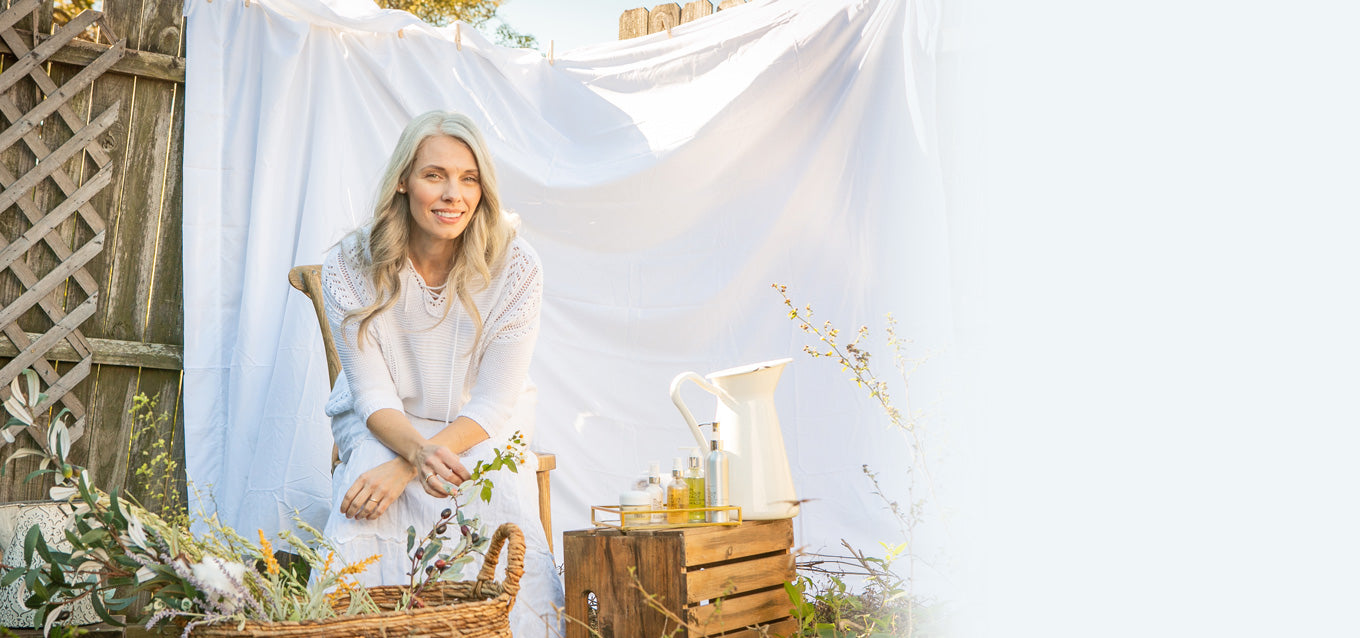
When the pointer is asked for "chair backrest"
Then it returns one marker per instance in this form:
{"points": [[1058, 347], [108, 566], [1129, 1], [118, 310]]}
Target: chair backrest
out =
{"points": [[308, 279]]}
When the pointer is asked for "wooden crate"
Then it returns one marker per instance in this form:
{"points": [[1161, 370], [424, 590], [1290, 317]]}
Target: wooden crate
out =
{"points": [[686, 571]]}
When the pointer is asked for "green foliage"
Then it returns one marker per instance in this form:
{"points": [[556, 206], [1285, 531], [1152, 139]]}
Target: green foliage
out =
{"points": [[155, 478], [121, 551], [474, 12], [826, 608], [441, 555], [887, 605]]}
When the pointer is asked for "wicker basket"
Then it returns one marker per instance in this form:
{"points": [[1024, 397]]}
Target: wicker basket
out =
{"points": [[466, 609]]}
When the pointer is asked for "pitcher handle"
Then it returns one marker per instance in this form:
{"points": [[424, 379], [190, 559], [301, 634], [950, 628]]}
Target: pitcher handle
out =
{"points": [[684, 409]]}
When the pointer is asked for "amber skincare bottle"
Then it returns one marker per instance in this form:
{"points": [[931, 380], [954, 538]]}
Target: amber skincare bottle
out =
{"points": [[677, 494]]}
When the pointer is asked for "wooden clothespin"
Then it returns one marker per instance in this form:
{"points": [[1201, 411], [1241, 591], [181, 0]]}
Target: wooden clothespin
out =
{"points": [[550, 52], [458, 35]]}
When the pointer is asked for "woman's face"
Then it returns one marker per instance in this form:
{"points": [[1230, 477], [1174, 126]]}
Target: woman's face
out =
{"points": [[443, 189]]}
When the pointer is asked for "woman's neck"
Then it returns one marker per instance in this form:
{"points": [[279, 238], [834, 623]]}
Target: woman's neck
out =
{"points": [[432, 260]]}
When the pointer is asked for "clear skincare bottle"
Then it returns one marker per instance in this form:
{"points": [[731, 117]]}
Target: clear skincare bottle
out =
{"points": [[715, 477], [655, 493], [694, 479]]}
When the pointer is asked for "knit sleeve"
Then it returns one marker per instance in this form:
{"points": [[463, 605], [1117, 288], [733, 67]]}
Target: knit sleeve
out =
{"points": [[514, 330], [369, 377]]}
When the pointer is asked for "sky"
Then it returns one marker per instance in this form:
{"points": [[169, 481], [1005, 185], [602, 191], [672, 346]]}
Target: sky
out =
{"points": [[569, 25]]}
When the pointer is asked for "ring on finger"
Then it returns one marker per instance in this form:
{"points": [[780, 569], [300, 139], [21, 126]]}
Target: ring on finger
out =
{"points": [[429, 476]]}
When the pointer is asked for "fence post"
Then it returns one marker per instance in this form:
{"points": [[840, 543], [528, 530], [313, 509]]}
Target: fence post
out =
{"points": [[664, 16], [695, 10], [632, 23]]}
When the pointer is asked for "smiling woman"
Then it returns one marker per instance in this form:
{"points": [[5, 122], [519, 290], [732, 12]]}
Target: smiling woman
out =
{"points": [[433, 371], [443, 190]]}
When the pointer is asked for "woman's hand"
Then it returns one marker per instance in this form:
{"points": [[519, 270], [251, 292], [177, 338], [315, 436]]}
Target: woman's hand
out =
{"points": [[375, 490], [440, 470]]}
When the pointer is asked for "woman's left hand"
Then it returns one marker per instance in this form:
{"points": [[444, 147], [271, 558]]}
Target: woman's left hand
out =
{"points": [[376, 490], [441, 470]]}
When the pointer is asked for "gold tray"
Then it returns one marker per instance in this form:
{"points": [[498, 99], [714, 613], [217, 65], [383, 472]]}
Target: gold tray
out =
{"points": [[611, 516]]}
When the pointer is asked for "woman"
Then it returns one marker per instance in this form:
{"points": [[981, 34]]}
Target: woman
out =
{"points": [[435, 307]]}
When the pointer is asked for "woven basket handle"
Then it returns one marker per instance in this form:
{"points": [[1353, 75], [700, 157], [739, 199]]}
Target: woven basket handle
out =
{"points": [[514, 567]]}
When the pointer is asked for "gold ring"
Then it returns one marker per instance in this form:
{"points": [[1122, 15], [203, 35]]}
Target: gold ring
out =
{"points": [[374, 499], [429, 476]]}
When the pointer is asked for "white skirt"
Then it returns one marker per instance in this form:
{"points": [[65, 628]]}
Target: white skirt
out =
{"points": [[514, 499]]}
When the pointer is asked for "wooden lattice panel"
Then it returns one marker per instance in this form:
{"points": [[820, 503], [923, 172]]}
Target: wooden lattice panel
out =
{"points": [[50, 265]]}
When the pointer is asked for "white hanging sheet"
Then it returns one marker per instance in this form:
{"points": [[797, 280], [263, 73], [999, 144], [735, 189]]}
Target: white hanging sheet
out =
{"points": [[666, 182]]}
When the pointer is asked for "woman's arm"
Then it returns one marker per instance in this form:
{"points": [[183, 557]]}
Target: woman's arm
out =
{"points": [[375, 394], [513, 330], [435, 457]]}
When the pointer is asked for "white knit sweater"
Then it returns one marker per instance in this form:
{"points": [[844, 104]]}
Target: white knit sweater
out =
{"points": [[411, 360]]}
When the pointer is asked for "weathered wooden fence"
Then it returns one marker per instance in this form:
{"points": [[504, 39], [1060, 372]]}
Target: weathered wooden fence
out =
{"points": [[635, 23], [133, 340]]}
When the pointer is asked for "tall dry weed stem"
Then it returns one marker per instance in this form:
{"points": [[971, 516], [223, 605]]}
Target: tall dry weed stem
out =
{"points": [[876, 610]]}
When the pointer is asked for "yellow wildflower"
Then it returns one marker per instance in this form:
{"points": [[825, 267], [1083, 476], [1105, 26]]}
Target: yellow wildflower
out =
{"points": [[271, 564], [359, 567]]}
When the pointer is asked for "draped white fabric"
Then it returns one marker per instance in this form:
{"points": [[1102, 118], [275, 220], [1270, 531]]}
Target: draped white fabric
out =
{"points": [[665, 182]]}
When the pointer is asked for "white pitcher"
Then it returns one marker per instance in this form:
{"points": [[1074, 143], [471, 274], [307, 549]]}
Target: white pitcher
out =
{"points": [[759, 479]]}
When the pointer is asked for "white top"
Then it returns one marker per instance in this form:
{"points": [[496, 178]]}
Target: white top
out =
{"points": [[411, 360]]}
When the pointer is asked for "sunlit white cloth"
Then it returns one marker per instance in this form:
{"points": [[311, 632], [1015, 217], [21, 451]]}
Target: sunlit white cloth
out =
{"points": [[666, 181]]}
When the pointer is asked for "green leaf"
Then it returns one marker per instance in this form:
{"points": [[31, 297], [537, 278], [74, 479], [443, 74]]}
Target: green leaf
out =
{"points": [[31, 543], [117, 512], [31, 376], [39, 472], [103, 612], [22, 453], [486, 491], [11, 576], [510, 463], [410, 539]]}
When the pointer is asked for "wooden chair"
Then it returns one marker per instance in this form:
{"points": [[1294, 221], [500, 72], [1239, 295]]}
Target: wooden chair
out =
{"points": [[308, 279]]}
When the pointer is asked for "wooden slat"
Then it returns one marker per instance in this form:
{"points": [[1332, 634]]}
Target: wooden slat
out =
{"points": [[167, 284], [17, 248], [28, 279], [40, 289], [134, 63], [135, 354], [734, 613], [29, 208], [39, 347], [51, 161], [783, 629], [68, 380], [141, 447], [33, 59], [69, 89], [48, 87], [132, 248], [740, 576], [57, 384], [106, 440], [705, 545], [600, 561], [16, 12]]}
